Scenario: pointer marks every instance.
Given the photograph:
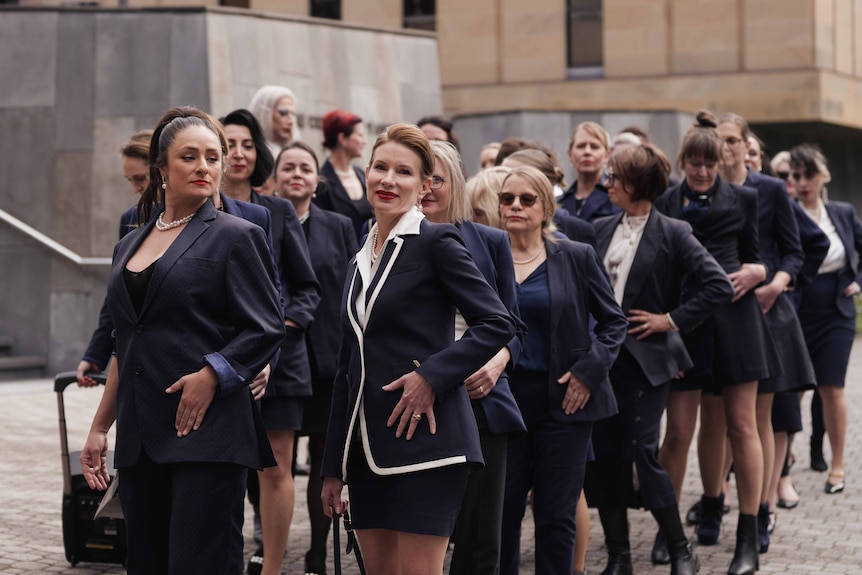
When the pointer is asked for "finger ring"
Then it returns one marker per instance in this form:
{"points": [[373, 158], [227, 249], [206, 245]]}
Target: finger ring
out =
{"points": [[417, 416], [481, 389]]}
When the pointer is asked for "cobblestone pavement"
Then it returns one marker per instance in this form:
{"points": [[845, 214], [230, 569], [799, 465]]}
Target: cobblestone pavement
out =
{"points": [[822, 535]]}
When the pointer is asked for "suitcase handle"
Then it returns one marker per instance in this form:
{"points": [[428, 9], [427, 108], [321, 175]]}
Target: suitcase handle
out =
{"points": [[65, 379]]}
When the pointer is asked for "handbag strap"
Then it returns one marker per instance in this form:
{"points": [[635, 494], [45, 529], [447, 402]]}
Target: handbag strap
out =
{"points": [[336, 544], [351, 544]]}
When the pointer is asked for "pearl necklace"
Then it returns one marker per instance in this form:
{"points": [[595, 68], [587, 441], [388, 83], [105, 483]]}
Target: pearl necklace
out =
{"points": [[529, 260], [163, 227], [374, 247]]}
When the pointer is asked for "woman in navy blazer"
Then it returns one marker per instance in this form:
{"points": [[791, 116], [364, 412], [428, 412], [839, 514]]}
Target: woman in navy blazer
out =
{"points": [[648, 256], [587, 198], [344, 137], [731, 351], [196, 316], [561, 379], [827, 310], [290, 382], [401, 431], [331, 245], [477, 533]]}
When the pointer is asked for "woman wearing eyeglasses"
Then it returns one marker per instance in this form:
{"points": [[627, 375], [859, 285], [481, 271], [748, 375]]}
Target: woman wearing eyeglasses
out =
{"points": [[648, 255], [561, 379], [343, 189], [731, 351], [827, 311]]}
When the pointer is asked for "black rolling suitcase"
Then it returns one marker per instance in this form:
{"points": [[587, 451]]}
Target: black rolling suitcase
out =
{"points": [[84, 537]]}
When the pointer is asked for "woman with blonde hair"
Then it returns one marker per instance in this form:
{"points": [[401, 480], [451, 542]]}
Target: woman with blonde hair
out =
{"points": [[589, 148], [482, 190]]}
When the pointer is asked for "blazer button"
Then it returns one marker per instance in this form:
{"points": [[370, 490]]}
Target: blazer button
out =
{"points": [[138, 370], [634, 441], [139, 329], [637, 419], [640, 394]]}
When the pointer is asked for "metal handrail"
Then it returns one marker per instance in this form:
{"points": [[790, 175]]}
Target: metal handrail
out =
{"points": [[49, 243]]}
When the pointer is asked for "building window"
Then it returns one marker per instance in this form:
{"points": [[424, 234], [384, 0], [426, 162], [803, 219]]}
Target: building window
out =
{"points": [[326, 9], [420, 14], [234, 3], [584, 38]]}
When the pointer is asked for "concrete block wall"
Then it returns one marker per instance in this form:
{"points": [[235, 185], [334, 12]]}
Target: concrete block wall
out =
{"points": [[79, 82]]}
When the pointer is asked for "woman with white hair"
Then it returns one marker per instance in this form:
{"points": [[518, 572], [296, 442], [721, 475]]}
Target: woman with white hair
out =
{"points": [[275, 109]]}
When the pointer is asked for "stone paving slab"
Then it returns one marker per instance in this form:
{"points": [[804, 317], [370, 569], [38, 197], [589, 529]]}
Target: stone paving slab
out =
{"points": [[823, 535]]}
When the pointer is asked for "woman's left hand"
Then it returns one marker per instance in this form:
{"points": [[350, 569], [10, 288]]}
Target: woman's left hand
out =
{"points": [[417, 400], [258, 384], [577, 393], [483, 381], [644, 323], [851, 290], [747, 278], [198, 390]]}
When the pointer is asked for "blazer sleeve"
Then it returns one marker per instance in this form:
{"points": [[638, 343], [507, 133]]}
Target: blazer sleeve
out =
{"points": [[714, 287], [856, 226], [815, 245], [786, 232], [509, 296], [101, 344], [255, 309], [301, 288], [749, 238], [611, 324], [490, 325]]}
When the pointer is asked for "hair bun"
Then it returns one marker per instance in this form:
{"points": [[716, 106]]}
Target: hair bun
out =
{"points": [[705, 119]]}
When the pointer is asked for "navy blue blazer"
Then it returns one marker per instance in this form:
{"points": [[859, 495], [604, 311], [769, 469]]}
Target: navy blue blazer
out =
{"points": [[332, 196], [331, 245], [491, 254], [596, 205], [101, 344], [579, 288], [301, 293], [213, 291], [780, 248], [849, 229], [573, 228], [668, 253], [423, 275], [815, 244]]}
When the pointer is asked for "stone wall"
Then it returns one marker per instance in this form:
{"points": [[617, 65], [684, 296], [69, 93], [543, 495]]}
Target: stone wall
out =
{"points": [[78, 82]]}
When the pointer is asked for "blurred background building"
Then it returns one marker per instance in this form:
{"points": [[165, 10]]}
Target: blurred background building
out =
{"points": [[78, 80]]}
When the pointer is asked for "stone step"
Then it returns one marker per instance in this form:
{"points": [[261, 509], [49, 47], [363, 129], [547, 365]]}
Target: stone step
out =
{"points": [[19, 367]]}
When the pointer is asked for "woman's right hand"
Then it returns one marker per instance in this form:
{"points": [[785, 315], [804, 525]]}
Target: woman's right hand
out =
{"points": [[94, 458], [330, 496], [85, 367]]}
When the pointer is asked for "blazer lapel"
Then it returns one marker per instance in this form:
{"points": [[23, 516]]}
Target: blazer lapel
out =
{"points": [[387, 260], [844, 232], [604, 233], [183, 242], [558, 287], [123, 260], [645, 255]]}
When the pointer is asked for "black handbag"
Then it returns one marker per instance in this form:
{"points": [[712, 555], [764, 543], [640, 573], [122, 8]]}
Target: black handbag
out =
{"points": [[351, 543]]}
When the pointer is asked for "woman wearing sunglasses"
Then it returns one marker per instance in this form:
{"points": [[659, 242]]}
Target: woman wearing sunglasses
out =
{"points": [[731, 351], [827, 311], [561, 379], [647, 256], [275, 108]]}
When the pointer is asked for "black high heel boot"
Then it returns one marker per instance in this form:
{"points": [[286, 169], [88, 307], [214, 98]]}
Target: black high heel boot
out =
{"points": [[616, 527], [817, 461], [682, 559], [763, 528], [709, 527], [746, 560]]}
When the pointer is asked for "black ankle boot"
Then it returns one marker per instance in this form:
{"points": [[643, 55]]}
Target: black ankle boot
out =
{"points": [[683, 561], [660, 554], [746, 560], [763, 528], [709, 527], [817, 461], [616, 527]]}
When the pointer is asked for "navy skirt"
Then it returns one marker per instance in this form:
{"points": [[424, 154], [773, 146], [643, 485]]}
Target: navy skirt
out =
{"points": [[796, 372], [281, 413], [786, 413], [828, 333], [424, 502]]}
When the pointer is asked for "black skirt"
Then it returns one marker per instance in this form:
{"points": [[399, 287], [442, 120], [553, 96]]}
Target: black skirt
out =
{"points": [[281, 413], [797, 373], [828, 333], [424, 502]]}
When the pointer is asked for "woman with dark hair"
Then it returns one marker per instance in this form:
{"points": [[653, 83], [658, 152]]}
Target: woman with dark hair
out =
{"points": [[587, 198], [331, 244], [343, 187], [439, 128], [648, 256], [402, 433], [561, 379], [731, 351], [826, 310], [196, 315], [290, 381]]}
